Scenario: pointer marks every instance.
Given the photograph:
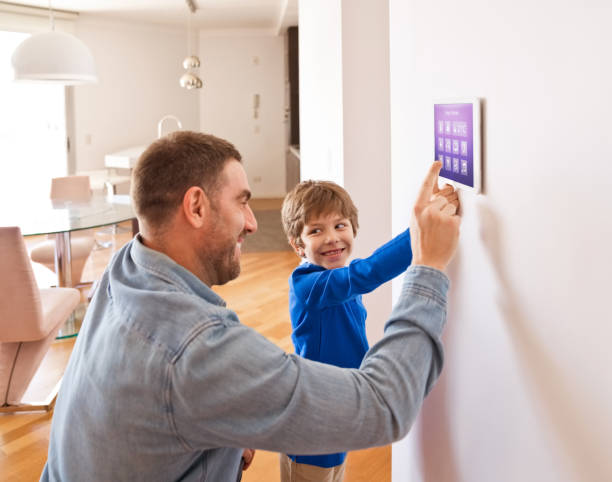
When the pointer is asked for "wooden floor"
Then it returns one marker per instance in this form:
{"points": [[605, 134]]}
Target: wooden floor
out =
{"points": [[261, 305]]}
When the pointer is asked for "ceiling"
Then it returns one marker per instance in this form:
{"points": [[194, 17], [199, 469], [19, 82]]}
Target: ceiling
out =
{"points": [[269, 15]]}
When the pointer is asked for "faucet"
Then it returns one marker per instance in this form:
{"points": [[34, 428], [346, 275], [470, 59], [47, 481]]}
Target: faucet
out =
{"points": [[161, 123]]}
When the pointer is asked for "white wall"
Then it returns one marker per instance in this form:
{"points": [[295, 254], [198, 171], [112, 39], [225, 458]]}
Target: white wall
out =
{"points": [[367, 140], [344, 118], [321, 129], [526, 391], [138, 67], [236, 68]]}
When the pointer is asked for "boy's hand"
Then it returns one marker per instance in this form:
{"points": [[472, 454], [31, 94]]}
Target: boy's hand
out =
{"points": [[449, 193], [434, 227], [248, 455]]}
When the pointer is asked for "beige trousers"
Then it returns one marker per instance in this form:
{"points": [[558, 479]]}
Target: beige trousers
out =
{"points": [[293, 472]]}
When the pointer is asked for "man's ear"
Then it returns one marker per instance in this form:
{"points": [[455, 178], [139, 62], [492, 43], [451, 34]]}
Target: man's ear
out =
{"points": [[196, 206], [298, 249]]}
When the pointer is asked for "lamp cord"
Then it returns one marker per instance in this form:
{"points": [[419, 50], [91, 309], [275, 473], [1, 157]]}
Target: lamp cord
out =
{"points": [[189, 35], [51, 17]]}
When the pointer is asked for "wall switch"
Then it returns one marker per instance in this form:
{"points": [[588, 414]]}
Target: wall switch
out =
{"points": [[256, 106]]}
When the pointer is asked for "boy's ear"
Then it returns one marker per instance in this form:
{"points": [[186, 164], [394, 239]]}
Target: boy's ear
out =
{"points": [[298, 249]]}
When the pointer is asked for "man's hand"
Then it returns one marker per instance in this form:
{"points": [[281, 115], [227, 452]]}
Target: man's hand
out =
{"points": [[248, 456], [434, 227]]}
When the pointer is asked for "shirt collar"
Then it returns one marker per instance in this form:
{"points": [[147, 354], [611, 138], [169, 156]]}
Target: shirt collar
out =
{"points": [[165, 267]]}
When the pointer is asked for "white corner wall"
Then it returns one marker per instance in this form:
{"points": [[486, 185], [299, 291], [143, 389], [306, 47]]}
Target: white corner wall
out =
{"points": [[321, 129], [526, 391], [234, 69], [344, 118], [367, 139], [139, 67]]}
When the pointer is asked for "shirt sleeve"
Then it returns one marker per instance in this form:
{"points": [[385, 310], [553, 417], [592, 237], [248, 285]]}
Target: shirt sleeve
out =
{"points": [[233, 388], [330, 287]]}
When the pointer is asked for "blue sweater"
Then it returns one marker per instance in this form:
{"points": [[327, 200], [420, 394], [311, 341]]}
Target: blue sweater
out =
{"points": [[328, 316]]}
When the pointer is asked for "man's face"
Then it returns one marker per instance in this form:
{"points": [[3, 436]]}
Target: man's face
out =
{"points": [[328, 240], [231, 220]]}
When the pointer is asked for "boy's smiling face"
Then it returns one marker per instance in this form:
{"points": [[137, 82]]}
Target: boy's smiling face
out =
{"points": [[327, 240]]}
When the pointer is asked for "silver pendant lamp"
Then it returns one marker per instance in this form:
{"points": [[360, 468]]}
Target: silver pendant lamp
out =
{"points": [[53, 57], [190, 80]]}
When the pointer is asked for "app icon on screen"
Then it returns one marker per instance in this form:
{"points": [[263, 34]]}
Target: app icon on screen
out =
{"points": [[448, 145], [455, 164], [440, 127], [440, 143], [447, 124], [447, 163], [455, 146], [464, 170], [441, 158], [464, 148]]}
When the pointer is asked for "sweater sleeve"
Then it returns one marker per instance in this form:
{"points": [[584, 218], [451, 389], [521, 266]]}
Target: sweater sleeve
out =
{"points": [[328, 287], [233, 388]]}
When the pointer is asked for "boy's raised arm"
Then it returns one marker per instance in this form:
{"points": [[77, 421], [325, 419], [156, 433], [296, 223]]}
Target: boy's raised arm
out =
{"points": [[433, 208], [329, 287]]}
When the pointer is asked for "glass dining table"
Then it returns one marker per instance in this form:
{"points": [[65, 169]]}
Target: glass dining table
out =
{"points": [[43, 216], [37, 216]]}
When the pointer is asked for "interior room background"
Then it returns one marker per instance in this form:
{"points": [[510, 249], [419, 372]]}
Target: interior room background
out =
{"points": [[138, 66], [525, 393]]}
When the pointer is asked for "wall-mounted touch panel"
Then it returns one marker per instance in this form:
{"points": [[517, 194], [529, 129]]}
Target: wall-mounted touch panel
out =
{"points": [[457, 142]]}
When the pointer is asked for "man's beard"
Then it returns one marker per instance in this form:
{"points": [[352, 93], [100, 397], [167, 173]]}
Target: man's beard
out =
{"points": [[222, 258], [227, 266]]}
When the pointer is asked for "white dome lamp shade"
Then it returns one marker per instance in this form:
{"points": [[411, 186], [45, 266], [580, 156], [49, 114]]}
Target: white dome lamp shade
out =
{"points": [[54, 57]]}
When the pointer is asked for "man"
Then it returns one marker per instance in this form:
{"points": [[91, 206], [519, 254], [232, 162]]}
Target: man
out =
{"points": [[165, 383]]}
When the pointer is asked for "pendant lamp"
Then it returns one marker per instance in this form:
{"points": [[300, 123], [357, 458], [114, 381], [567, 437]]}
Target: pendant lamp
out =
{"points": [[190, 80], [53, 57]]}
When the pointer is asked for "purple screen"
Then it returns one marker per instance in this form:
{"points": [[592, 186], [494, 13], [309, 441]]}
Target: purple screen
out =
{"points": [[454, 135]]}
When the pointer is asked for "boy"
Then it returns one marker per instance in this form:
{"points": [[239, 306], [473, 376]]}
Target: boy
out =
{"points": [[327, 315]]}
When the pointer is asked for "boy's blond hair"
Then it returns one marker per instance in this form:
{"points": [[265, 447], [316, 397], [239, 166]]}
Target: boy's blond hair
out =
{"points": [[312, 199]]}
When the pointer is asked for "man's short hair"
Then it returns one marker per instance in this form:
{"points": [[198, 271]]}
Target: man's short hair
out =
{"points": [[310, 199], [173, 164]]}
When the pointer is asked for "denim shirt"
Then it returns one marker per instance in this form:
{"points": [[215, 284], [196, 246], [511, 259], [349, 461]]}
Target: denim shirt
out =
{"points": [[165, 383]]}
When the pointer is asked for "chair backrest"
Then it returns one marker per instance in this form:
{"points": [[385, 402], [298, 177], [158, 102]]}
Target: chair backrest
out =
{"points": [[20, 307], [70, 188]]}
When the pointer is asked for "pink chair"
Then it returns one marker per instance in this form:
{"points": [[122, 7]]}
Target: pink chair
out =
{"points": [[70, 188], [29, 321]]}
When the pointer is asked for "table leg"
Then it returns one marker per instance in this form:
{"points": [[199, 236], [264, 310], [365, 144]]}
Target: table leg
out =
{"points": [[63, 259], [63, 268]]}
